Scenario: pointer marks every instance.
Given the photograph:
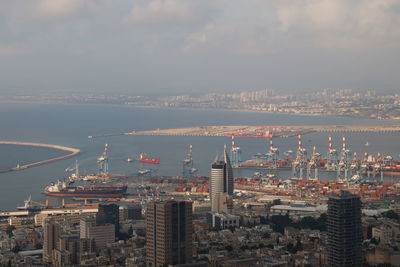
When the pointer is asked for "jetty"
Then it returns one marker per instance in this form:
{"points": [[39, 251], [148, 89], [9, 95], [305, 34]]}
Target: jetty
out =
{"points": [[260, 131], [72, 153], [257, 131]]}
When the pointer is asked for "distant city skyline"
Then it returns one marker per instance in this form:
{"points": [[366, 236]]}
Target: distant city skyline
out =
{"points": [[196, 47], [328, 101]]}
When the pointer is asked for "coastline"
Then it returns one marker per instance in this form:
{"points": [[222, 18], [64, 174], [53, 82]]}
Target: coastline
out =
{"points": [[391, 120]]}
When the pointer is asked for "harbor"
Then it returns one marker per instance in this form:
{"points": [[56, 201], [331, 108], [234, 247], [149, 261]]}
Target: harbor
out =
{"points": [[125, 150]]}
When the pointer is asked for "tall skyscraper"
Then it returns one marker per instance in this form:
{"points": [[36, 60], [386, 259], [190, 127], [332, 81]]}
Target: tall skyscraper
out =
{"points": [[108, 214], [221, 180], [229, 173], [169, 233], [51, 233], [344, 247]]}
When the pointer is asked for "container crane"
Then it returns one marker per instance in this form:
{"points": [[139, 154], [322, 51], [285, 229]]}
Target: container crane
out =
{"points": [[272, 155], [313, 164], [344, 159], [236, 153], [332, 156], [301, 158], [187, 164], [103, 161]]}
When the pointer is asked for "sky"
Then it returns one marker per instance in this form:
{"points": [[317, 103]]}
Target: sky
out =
{"points": [[172, 47]]}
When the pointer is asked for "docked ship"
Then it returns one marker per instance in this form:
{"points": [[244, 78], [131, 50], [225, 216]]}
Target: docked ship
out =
{"points": [[63, 189], [143, 159], [391, 169]]}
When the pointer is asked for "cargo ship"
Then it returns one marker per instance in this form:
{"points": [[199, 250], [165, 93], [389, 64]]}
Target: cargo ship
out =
{"points": [[391, 170], [63, 189], [144, 159]]}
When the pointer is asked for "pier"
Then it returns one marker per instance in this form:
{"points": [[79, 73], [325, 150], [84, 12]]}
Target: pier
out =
{"points": [[73, 153], [258, 131]]}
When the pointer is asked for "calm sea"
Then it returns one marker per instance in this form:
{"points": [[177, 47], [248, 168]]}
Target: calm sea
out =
{"points": [[69, 125]]}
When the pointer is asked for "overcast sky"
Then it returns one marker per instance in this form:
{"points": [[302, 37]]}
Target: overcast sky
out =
{"points": [[196, 46]]}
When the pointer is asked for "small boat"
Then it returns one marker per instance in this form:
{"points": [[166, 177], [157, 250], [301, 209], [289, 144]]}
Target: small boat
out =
{"points": [[257, 174], [129, 160], [366, 144], [144, 171]]}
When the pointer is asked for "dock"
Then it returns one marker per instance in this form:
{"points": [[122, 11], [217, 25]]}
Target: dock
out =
{"points": [[73, 153], [259, 131]]}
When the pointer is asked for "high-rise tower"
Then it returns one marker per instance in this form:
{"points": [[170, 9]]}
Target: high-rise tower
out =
{"points": [[168, 233], [344, 230], [51, 233], [221, 180], [108, 214], [229, 173]]}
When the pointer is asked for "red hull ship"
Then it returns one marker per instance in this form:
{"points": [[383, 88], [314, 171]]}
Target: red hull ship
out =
{"points": [[144, 159], [392, 170]]}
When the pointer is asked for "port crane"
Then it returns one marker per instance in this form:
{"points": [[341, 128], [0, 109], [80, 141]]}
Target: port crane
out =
{"points": [[272, 155], [187, 163], [313, 164], [235, 153], [344, 162], [28, 204], [260, 132], [103, 161], [76, 174], [377, 167], [301, 158], [331, 156]]}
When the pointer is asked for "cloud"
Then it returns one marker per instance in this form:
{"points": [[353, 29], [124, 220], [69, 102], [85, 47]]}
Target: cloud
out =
{"points": [[160, 11], [58, 8], [198, 38], [253, 48], [340, 23], [12, 50], [268, 39]]}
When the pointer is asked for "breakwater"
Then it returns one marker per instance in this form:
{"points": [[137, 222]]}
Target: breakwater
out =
{"points": [[258, 131], [72, 153]]}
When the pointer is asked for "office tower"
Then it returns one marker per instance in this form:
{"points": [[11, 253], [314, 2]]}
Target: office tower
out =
{"points": [[168, 233], [102, 234], [70, 248], [344, 230], [108, 214], [221, 180], [51, 233], [228, 173]]}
